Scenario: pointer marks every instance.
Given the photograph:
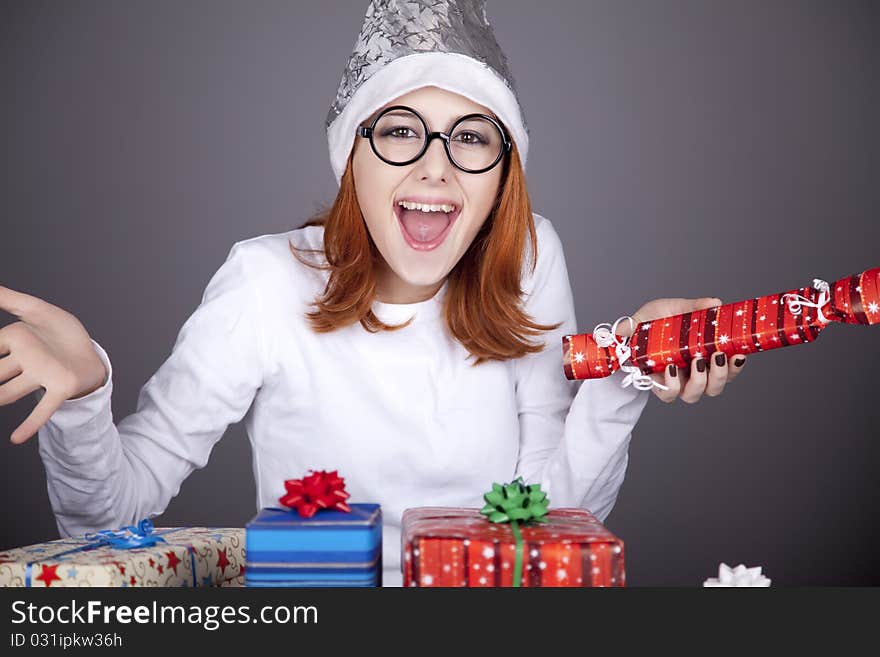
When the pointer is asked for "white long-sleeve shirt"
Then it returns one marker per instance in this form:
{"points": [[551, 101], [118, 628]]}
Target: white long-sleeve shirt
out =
{"points": [[403, 416]]}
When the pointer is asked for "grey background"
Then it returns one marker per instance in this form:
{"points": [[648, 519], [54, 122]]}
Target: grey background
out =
{"points": [[680, 148]]}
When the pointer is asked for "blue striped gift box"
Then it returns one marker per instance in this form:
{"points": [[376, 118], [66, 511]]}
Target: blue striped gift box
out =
{"points": [[332, 548]]}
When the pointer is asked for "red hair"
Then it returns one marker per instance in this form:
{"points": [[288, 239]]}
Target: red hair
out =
{"points": [[483, 305]]}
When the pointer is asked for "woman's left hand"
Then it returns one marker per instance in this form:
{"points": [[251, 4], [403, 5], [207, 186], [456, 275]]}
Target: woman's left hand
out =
{"points": [[707, 376]]}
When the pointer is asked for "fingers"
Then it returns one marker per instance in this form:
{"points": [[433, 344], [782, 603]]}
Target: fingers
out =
{"points": [[696, 382], [38, 417], [678, 306], [737, 363], [17, 303], [15, 389], [705, 375], [13, 336], [707, 302], [672, 380], [9, 367], [716, 374]]}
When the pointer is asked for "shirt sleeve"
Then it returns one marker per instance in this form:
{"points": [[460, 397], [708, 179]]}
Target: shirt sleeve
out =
{"points": [[574, 436], [103, 476]]}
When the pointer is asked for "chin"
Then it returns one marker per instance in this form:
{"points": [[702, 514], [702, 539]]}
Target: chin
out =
{"points": [[423, 278], [421, 273]]}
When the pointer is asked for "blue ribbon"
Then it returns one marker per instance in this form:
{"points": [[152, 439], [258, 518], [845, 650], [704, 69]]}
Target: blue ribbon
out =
{"points": [[126, 538]]}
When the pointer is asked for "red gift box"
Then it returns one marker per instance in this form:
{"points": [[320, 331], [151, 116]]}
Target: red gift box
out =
{"points": [[444, 546]]}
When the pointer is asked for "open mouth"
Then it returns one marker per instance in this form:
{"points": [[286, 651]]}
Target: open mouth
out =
{"points": [[425, 231]]}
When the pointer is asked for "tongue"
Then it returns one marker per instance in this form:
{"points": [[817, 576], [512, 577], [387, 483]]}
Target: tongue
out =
{"points": [[423, 226]]}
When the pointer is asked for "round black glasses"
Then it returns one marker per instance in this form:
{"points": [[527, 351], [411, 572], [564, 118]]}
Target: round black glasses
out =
{"points": [[400, 136]]}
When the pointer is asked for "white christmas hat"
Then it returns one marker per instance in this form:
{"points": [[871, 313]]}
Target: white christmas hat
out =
{"points": [[407, 44]]}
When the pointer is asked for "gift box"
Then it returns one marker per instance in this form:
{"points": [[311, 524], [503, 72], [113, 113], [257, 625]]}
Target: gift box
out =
{"points": [[329, 548], [237, 581], [443, 546], [185, 556]]}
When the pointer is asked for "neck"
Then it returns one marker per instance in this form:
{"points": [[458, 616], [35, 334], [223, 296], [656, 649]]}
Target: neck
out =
{"points": [[392, 289]]}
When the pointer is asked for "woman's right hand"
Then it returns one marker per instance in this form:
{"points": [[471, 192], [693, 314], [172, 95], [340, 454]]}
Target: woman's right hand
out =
{"points": [[50, 348]]}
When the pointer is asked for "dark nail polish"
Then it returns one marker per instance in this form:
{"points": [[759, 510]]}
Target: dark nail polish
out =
{"points": [[719, 360], [701, 365], [673, 370], [739, 362]]}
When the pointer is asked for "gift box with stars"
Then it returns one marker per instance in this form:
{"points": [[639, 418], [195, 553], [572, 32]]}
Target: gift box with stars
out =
{"points": [[446, 546], [186, 556]]}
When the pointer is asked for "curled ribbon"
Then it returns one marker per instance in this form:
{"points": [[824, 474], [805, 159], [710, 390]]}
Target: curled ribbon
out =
{"points": [[605, 335], [128, 537], [516, 502], [319, 490], [795, 301]]}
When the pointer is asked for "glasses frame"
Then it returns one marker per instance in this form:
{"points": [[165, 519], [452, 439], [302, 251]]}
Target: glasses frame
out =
{"points": [[367, 132]]}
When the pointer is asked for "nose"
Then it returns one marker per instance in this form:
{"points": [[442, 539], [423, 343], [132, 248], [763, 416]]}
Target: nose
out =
{"points": [[434, 163]]}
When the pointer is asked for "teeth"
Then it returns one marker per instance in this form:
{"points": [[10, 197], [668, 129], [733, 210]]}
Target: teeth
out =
{"points": [[427, 207]]}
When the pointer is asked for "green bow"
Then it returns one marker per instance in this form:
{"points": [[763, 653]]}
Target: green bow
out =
{"points": [[514, 503]]}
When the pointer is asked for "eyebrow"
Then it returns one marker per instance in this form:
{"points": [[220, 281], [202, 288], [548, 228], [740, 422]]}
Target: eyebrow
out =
{"points": [[373, 116]]}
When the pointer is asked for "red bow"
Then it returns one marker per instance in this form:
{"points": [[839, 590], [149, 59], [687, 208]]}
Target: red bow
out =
{"points": [[319, 490]]}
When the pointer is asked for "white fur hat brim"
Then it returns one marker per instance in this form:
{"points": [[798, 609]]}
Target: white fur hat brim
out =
{"points": [[451, 71]]}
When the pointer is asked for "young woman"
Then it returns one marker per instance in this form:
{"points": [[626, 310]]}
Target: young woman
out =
{"points": [[410, 337]]}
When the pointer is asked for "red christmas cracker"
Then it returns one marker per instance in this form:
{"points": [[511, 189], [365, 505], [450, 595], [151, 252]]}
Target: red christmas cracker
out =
{"points": [[744, 327], [446, 546]]}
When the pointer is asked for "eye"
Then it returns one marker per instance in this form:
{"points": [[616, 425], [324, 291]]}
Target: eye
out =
{"points": [[469, 137], [400, 132]]}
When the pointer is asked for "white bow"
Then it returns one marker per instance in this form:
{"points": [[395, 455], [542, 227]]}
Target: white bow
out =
{"points": [[605, 335], [795, 301], [739, 576]]}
